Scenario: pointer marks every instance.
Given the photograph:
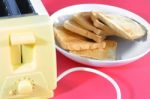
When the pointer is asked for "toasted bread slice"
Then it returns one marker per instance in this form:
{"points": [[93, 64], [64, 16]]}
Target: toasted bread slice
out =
{"points": [[76, 28], [84, 19], [72, 41], [97, 23], [123, 26], [107, 53]]}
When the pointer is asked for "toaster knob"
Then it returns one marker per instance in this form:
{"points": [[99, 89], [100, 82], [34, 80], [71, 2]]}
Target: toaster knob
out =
{"points": [[25, 87]]}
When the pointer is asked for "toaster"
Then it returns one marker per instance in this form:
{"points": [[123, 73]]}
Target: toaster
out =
{"points": [[27, 51]]}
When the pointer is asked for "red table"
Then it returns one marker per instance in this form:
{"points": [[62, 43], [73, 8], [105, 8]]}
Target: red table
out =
{"points": [[134, 78]]}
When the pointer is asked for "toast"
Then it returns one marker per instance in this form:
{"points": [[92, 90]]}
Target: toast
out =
{"points": [[72, 41], [107, 53], [84, 19], [76, 28], [123, 26], [97, 23]]}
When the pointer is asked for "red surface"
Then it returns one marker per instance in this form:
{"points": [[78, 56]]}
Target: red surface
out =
{"points": [[134, 78]]}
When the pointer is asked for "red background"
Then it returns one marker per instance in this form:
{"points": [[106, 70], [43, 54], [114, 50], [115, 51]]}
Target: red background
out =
{"points": [[134, 78]]}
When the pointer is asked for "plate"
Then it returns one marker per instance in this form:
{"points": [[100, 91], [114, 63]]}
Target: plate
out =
{"points": [[127, 51]]}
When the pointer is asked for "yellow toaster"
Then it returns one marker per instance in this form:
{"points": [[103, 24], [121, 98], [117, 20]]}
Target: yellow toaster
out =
{"points": [[27, 51]]}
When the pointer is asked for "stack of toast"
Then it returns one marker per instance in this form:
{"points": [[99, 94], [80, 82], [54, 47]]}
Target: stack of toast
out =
{"points": [[85, 34]]}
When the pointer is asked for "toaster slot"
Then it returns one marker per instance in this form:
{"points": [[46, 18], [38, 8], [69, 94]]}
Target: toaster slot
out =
{"points": [[12, 7], [25, 6], [3, 9]]}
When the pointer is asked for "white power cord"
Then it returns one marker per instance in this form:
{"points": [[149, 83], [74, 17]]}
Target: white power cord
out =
{"points": [[112, 81]]}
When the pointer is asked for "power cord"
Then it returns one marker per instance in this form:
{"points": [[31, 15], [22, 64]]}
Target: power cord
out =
{"points": [[111, 80]]}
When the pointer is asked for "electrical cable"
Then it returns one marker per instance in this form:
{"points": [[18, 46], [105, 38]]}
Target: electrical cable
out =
{"points": [[111, 80]]}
